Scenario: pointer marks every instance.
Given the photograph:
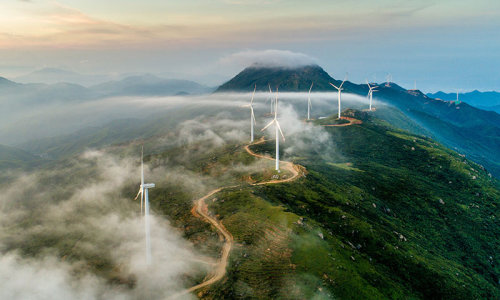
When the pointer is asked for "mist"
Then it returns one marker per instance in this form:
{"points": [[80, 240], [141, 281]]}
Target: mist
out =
{"points": [[71, 228]]}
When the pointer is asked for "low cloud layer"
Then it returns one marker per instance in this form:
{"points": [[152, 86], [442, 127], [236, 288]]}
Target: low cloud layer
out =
{"points": [[60, 228], [269, 58], [62, 221]]}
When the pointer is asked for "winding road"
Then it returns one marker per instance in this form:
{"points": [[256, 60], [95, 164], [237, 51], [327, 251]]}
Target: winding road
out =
{"points": [[200, 210]]}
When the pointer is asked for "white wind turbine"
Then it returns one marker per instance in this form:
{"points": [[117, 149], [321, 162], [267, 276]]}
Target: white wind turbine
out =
{"points": [[388, 79], [370, 92], [252, 116], [339, 89], [309, 102], [144, 191], [277, 128]]}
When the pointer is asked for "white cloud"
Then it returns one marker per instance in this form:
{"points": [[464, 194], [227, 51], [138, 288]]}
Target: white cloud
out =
{"points": [[270, 58]]}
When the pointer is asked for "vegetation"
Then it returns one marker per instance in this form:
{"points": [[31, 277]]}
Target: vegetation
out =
{"points": [[400, 216]]}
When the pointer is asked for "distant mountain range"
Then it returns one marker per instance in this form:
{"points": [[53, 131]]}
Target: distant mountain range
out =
{"points": [[54, 75], [484, 100], [470, 130], [150, 85], [146, 85]]}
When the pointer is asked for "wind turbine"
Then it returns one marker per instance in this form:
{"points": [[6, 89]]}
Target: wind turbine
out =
{"points": [[458, 101], [252, 116], [144, 191], [370, 92], [339, 89], [309, 102], [388, 79], [277, 128]]}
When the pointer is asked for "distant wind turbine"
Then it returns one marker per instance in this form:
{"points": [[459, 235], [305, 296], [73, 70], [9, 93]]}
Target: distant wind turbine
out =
{"points": [[458, 101], [252, 115], [277, 128], [144, 192], [388, 80], [309, 102], [371, 89], [339, 89]]}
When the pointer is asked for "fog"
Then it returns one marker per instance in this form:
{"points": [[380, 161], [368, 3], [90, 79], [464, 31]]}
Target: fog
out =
{"points": [[268, 58], [69, 229]]}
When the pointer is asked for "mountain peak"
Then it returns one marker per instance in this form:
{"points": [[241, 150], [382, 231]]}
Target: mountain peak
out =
{"points": [[296, 79]]}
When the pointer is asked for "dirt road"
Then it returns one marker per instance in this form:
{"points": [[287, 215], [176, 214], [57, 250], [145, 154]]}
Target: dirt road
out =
{"points": [[351, 122], [200, 210]]}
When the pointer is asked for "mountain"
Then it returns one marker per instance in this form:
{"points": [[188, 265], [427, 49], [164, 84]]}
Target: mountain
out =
{"points": [[495, 108], [40, 93], [287, 79], [150, 85], [474, 98], [4, 82], [387, 214], [13, 158], [54, 75], [472, 131]]}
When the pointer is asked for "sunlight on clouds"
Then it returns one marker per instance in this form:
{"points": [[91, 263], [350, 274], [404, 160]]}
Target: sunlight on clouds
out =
{"points": [[91, 23]]}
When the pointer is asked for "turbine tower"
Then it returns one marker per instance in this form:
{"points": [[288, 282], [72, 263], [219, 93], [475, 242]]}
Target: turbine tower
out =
{"points": [[309, 103], [458, 101], [339, 89], [277, 128], [371, 89], [144, 191], [252, 116]]}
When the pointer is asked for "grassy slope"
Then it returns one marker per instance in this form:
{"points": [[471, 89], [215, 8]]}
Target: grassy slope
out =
{"points": [[12, 158], [400, 216]]}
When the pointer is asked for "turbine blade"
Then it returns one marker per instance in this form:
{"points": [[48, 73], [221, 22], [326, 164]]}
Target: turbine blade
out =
{"points": [[270, 123], [279, 127], [253, 115], [345, 79], [142, 165], [334, 85], [311, 87], [140, 191], [276, 104], [253, 94]]}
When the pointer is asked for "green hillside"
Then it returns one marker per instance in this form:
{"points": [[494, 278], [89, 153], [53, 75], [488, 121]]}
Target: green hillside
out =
{"points": [[12, 158], [387, 215], [470, 130]]}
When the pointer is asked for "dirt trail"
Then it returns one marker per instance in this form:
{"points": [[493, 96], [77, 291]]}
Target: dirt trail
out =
{"points": [[351, 122], [294, 169], [200, 210]]}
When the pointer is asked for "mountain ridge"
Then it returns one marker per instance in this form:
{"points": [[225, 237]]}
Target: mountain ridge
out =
{"points": [[471, 130]]}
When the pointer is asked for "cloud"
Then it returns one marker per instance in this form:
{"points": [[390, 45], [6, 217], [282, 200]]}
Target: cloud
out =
{"points": [[70, 236], [270, 58]]}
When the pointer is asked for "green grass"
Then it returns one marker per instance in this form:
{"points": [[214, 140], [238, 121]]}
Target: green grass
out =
{"points": [[401, 217]]}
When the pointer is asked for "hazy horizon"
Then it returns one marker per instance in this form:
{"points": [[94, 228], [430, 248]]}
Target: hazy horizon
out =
{"points": [[209, 41]]}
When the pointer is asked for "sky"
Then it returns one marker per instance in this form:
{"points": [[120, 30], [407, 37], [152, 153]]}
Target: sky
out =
{"points": [[441, 44]]}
